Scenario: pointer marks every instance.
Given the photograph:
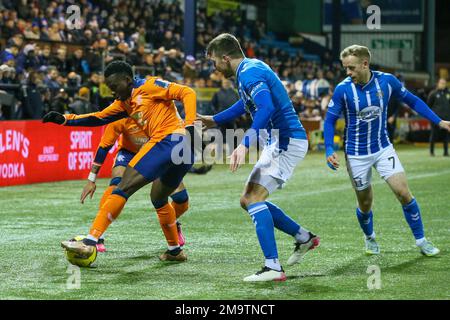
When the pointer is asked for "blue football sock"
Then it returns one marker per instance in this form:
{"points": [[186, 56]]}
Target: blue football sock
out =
{"points": [[365, 221], [282, 221], [412, 216], [261, 217]]}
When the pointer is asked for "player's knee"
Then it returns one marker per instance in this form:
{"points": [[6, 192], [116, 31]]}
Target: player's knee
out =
{"points": [[404, 197], [365, 205], [245, 202]]}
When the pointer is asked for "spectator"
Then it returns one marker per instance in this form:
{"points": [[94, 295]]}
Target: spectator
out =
{"points": [[94, 86], [81, 105], [439, 102], [73, 83], [190, 68], [33, 106], [27, 59], [76, 62], [60, 102], [60, 60], [50, 81], [10, 53], [223, 99], [32, 31], [44, 56]]}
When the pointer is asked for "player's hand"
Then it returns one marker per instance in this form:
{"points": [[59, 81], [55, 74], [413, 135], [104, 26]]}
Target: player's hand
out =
{"points": [[445, 125], [54, 117], [207, 121], [237, 158], [89, 189], [333, 161], [391, 120]]}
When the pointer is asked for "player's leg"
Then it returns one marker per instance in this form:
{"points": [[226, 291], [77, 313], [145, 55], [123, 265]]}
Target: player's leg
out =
{"points": [[144, 167], [180, 202], [433, 134], [360, 171], [121, 161], [273, 169], [161, 189], [446, 136], [391, 170], [132, 181], [253, 201]]}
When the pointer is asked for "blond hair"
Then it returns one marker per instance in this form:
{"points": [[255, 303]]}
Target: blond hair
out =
{"points": [[358, 51]]}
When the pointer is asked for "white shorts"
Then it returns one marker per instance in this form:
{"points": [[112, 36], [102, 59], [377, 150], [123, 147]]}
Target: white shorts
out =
{"points": [[276, 166], [385, 161]]}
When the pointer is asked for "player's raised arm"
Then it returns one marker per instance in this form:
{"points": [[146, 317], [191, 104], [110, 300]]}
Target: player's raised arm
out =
{"points": [[415, 103], [109, 138], [110, 114], [334, 110]]}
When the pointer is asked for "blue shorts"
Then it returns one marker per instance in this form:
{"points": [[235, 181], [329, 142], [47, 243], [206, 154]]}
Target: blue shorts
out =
{"points": [[123, 158], [154, 160]]}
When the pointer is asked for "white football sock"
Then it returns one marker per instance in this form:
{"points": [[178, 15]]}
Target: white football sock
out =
{"points": [[89, 237], [302, 235], [273, 264], [420, 242]]}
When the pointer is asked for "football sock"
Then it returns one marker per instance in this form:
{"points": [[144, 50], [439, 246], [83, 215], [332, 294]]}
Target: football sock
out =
{"points": [[262, 219], [90, 240], [302, 235], [366, 222], [108, 212], [273, 264], [412, 216], [282, 221], [106, 194], [168, 222], [180, 202], [112, 185]]}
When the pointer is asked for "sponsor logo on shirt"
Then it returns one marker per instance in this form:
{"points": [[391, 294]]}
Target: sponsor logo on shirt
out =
{"points": [[370, 113]]}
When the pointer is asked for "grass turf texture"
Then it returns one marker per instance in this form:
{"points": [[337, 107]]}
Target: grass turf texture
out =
{"points": [[222, 246]]}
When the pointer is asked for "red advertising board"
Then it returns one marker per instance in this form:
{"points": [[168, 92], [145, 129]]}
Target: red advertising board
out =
{"points": [[31, 151]]}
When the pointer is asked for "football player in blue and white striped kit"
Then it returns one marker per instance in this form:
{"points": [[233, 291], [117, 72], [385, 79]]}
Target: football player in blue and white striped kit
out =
{"points": [[262, 95], [363, 98]]}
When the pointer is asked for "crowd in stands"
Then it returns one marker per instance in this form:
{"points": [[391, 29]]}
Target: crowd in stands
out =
{"points": [[46, 65]]}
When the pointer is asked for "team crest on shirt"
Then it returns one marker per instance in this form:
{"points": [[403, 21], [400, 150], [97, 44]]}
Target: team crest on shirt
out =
{"points": [[138, 118], [370, 113], [380, 95]]}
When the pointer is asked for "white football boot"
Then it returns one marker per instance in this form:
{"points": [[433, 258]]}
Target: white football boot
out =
{"points": [[266, 274], [301, 248]]}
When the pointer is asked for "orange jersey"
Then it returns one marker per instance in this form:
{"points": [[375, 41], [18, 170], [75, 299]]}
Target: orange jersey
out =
{"points": [[132, 138], [151, 106]]}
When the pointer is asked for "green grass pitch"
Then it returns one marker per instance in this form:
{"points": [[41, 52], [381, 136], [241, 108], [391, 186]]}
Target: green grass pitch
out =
{"points": [[222, 246]]}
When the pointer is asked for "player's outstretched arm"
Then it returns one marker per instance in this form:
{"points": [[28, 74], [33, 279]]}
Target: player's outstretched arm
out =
{"points": [[416, 103], [228, 115], [110, 114], [329, 125]]}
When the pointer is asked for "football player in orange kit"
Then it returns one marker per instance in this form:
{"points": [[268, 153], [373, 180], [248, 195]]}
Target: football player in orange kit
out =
{"points": [[164, 159], [131, 138]]}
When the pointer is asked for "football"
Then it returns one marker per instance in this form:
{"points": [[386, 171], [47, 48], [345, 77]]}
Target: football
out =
{"points": [[75, 259]]}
